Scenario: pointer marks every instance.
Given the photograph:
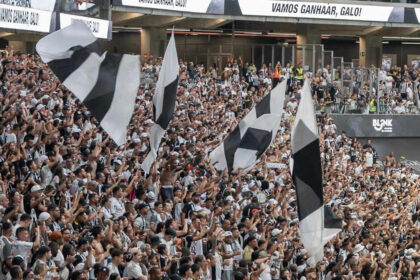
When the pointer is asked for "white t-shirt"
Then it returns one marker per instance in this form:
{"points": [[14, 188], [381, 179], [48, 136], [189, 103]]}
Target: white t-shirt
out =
{"points": [[382, 75], [134, 270], [369, 159], [113, 269], [266, 274], [23, 249], [228, 250], [107, 213], [219, 262], [117, 207]]}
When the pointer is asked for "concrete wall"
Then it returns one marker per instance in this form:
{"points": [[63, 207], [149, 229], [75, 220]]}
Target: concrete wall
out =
{"points": [[3, 43], [402, 51], [345, 48], [349, 49], [124, 42], [202, 48]]}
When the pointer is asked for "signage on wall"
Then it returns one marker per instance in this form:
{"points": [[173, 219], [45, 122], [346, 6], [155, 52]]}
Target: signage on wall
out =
{"points": [[329, 11], [291, 9], [378, 125], [46, 5], [15, 17], [382, 125], [192, 6], [99, 27]]}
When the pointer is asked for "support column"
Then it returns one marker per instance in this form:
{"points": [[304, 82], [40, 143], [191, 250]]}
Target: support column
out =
{"points": [[306, 35], [153, 41], [370, 50], [18, 46]]}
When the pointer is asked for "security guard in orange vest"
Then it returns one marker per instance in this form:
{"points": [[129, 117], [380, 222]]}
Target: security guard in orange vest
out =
{"points": [[277, 73]]}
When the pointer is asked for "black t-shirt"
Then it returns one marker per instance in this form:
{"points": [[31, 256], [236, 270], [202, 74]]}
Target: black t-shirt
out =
{"points": [[247, 212], [80, 258], [188, 209]]}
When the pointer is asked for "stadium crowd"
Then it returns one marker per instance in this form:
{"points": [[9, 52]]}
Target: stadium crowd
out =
{"points": [[76, 206], [348, 90]]}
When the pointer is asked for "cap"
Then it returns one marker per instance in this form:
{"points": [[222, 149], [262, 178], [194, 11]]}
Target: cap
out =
{"points": [[195, 194], [155, 240], [230, 198], [51, 154], [39, 107], [141, 206], [144, 134], [262, 254], [117, 161], [255, 211], [36, 188], [18, 260], [104, 269], [171, 232], [358, 248], [151, 195], [44, 216], [227, 234], [75, 130], [3, 197], [275, 232], [174, 153]]}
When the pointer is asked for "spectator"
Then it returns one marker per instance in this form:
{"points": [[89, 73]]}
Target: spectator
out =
{"points": [[76, 206]]}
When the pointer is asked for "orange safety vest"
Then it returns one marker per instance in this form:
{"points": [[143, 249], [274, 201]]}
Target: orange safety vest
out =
{"points": [[277, 73]]}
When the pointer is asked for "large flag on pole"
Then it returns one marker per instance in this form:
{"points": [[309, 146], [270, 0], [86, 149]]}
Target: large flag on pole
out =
{"points": [[163, 101], [317, 223], [253, 135], [106, 83]]}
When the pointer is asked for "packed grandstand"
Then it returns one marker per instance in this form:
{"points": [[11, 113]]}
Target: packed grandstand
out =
{"points": [[76, 206]]}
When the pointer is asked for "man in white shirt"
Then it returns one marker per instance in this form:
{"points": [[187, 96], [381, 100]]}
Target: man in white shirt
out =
{"points": [[117, 258], [117, 205], [133, 268], [369, 158], [382, 74], [399, 109], [22, 246], [228, 254]]}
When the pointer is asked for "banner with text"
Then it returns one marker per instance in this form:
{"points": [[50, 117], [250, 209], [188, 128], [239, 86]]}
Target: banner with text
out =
{"points": [[290, 9], [192, 6], [14, 17], [378, 125], [99, 27], [46, 5]]}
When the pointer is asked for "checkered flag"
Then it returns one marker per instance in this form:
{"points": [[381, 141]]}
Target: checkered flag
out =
{"points": [[318, 224], [253, 135], [107, 83]]}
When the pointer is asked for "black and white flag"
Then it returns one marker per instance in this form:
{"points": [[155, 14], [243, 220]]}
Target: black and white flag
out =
{"points": [[163, 101], [106, 83], [317, 223], [253, 135]]}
